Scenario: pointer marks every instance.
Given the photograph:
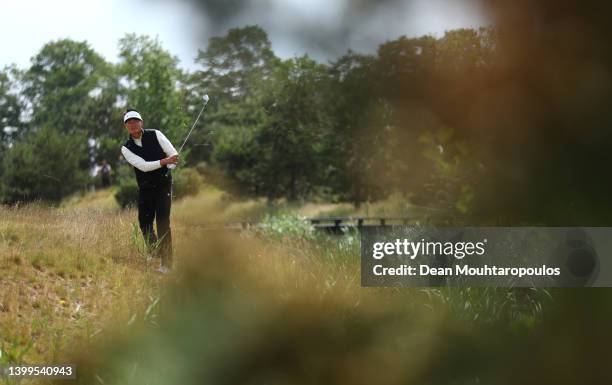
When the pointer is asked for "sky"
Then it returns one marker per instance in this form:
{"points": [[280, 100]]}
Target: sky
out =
{"points": [[324, 29]]}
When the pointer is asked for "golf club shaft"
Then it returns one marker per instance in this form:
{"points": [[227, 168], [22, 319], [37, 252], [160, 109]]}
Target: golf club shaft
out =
{"points": [[192, 127], [173, 165]]}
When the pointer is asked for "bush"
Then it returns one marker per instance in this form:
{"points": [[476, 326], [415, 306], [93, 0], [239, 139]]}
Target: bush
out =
{"points": [[127, 194], [202, 168], [127, 188], [186, 181], [214, 175], [44, 166], [286, 224]]}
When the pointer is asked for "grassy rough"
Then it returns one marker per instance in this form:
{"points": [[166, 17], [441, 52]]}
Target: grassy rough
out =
{"points": [[66, 276], [75, 287]]}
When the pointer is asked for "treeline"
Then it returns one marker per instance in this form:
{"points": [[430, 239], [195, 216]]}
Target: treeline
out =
{"points": [[355, 129], [346, 130], [453, 122]]}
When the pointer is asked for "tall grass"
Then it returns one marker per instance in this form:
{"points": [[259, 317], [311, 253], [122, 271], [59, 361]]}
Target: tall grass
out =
{"points": [[282, 304], [66, 276], [278, 304]]}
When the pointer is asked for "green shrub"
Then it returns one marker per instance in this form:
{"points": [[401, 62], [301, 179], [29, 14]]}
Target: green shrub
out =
{"points": [[127, 189], [286, 224], [127, 194], [202, 168], [43, 166], [213, 174], [186, 181]]}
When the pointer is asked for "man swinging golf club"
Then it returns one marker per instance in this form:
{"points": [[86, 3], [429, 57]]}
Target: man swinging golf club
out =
{"points": [[150, 152]]}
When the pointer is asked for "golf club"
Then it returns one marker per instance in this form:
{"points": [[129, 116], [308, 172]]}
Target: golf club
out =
{"points": [[172, 166]]}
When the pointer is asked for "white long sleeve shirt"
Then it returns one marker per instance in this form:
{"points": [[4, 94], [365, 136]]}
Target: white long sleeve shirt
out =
{"points": [[142, 164]]}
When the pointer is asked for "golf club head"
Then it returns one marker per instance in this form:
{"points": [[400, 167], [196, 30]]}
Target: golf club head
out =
{"points": [[206, 98]]}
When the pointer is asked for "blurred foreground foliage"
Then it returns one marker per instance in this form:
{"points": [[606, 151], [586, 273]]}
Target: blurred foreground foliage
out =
{"points": [[292, 312]]}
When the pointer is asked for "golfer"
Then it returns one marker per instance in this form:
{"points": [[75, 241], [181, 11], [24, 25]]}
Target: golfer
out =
{"points": [[149, 151]]}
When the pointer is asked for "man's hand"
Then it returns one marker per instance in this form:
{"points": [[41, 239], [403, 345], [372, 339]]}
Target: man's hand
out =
{"points": [[171, 159]]}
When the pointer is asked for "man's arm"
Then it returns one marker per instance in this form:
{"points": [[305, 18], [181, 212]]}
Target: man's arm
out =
{"points": [[138, 162], [165, 144]]}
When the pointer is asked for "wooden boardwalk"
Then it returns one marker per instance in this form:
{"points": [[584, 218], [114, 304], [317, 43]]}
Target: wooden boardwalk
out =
{"points": [[331, 225]]}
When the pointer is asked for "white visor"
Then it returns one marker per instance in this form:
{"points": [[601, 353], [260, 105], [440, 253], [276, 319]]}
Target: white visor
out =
{"points": [[131, 115]]}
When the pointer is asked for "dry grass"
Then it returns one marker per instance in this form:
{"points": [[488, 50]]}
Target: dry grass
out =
{"points": [[212, 205], [101, 200], [69, 274], [253, 308], [286, 307], [65, 276], [74, 287]]}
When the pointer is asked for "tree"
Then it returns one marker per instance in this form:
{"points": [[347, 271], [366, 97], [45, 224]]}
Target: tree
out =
{"points": [[44, 166], [63, 77], [71, 89], [232, 62], [291, 145], [359, 136], [11, 107], [153, 84], [236, 70]]}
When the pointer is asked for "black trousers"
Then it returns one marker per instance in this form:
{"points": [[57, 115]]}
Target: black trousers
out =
{"points": [[154, 204]]}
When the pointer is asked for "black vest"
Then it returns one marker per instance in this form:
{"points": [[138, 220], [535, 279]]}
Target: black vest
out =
{"points": [[150, 151]]}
